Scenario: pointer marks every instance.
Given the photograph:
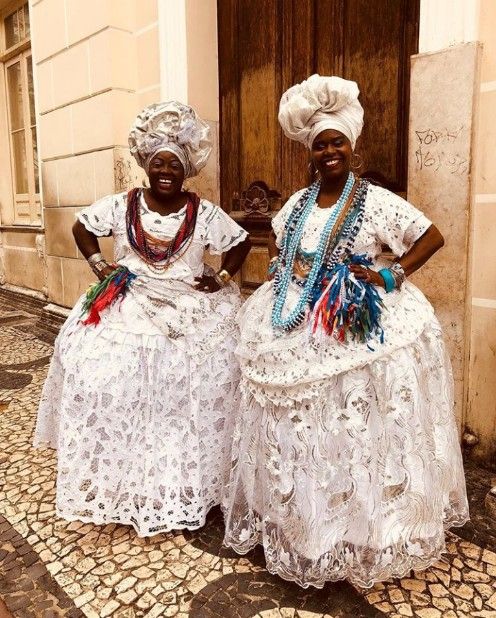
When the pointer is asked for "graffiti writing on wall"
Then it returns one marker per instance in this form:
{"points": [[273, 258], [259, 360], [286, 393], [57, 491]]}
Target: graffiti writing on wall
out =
{"points": [[439, 149], [123, 175]]}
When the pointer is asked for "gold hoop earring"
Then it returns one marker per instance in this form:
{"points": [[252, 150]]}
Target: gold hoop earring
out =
{"points": [[359, 161], [312, 169]]}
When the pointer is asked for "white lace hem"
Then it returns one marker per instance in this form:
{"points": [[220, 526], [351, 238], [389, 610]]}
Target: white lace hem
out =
{"points": [[90, 227], [414, 564], [142, 428], [164, 529], [360, 482]]}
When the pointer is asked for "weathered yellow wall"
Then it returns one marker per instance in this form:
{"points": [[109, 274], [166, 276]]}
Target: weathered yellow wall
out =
{"points": [[97, 66], [481, 409], [203, 85], [97, 63]]}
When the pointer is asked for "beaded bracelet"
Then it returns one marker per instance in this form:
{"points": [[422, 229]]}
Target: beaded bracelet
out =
{"points": [[389, 281]]}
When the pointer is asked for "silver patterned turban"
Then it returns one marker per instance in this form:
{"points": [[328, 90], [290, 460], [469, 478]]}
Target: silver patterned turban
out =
{"points": [[321, 103], [171, 127]]}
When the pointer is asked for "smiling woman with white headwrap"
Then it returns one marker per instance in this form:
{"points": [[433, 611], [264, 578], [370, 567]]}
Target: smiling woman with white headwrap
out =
{"points": [[346, 461], [142, 389]]}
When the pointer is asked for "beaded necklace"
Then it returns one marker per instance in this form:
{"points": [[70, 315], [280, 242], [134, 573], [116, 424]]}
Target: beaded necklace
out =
{"points": [[340, 245], [291, 242], [343, 306], [154, 250]]}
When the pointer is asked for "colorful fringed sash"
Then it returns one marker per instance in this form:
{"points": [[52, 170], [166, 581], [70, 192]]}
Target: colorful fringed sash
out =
{"points": [[101, 295], [348, 308]]}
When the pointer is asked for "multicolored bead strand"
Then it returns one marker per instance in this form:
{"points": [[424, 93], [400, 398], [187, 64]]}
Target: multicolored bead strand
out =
{"points": [[159, 254], [290, 246]]}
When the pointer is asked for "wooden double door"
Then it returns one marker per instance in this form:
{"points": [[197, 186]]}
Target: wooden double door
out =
{"points": [[266, 46]]}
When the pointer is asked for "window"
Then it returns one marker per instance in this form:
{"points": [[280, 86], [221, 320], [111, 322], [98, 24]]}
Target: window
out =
{"points": [[17, 26], [21, 116]]}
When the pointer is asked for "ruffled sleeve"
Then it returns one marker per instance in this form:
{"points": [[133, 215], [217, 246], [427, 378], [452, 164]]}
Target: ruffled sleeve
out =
{"points": [[222, 232], [398, 223], [99, 217], [279, 221]]}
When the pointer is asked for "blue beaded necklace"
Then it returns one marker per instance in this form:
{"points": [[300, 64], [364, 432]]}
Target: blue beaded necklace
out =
{"points": [[290, 246]]}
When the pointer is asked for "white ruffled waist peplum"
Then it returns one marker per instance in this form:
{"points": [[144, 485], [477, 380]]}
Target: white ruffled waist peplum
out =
{"points": [[295, 363]]}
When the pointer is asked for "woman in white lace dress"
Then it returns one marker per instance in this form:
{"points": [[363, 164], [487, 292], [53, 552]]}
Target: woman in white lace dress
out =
{"points": [[140, 401], [346, 462]]}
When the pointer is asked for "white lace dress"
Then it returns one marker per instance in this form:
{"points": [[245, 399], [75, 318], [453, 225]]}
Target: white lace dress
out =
{"points": [[346, 462], [141, 407]]}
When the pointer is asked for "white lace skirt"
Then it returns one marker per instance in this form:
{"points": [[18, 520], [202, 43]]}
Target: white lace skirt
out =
{"points": [[360, 483], [142, 428]]}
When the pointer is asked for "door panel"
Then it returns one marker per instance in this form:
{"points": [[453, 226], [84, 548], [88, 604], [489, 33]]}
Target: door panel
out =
{"points": [[265, 46]]}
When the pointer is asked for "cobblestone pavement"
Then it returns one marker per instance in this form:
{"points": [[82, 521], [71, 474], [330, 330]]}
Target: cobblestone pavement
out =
{"points": [[50, 567]]}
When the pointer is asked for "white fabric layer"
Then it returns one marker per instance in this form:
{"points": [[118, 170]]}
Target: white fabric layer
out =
{"points": [[346, 461], [389, 220], [140, 407], [283, 369], [360, 484]]}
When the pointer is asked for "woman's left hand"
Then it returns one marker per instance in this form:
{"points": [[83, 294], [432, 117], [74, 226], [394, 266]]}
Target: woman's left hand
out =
{"points": [[206, 284], [366, 274]]}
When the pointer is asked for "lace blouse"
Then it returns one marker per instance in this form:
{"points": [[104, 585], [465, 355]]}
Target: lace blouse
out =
{"points": [[215, 231]]}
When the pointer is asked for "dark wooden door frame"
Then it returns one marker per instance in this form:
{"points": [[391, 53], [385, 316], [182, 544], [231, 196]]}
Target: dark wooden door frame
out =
{"points": [[298, 59]]}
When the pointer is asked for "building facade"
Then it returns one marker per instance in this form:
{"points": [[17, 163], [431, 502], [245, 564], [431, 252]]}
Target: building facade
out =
{"points": [[74, 73]]}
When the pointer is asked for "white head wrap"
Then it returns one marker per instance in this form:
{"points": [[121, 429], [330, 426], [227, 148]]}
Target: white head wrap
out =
{"points": [[321, 103], [171, 127]]}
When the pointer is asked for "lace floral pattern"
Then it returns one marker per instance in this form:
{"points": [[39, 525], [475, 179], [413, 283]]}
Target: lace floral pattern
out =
{"points": [[142, 432], [346, 461], [141, 407]]}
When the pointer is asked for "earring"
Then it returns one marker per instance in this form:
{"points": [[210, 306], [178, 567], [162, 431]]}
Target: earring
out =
{"points": [[359, 161], [312, 170]]}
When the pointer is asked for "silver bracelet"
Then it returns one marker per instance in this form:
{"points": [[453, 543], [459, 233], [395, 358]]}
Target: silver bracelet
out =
{"points": [[99, 267], [94, 259], [398, 273]]}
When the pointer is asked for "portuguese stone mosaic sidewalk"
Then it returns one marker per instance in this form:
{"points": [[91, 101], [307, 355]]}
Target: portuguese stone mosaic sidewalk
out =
{"points": [[50, 567]]}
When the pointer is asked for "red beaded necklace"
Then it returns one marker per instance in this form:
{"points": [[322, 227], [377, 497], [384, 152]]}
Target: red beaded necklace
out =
{"points": [[154, 250]]}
